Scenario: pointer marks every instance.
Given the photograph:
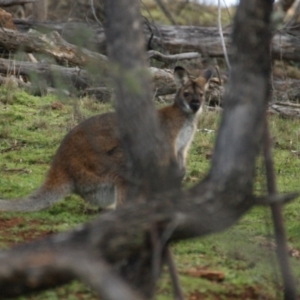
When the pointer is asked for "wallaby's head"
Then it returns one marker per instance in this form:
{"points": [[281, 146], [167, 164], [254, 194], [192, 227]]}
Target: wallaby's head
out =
{"points": [[190, 91]]}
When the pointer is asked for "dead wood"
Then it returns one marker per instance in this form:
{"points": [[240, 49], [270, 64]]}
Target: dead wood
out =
{"points": [[102, 94], [38, 265], [172, 58], [43, 76], [163, 81], [176, 39], [285, 111], [51, 75], [289, 287], [47, 74], [4, 3], [52, 45], [289, 104], [13, 82]]}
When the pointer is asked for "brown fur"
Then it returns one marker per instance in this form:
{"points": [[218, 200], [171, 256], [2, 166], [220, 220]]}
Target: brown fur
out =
{"points": [[90, 161]]}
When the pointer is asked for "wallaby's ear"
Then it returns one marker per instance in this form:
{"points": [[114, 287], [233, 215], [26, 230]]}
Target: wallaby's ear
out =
{"points": [[207, 75], [181, 76]]}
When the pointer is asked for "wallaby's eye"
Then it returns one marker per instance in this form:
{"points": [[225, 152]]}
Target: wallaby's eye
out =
{"points": [[186, 94], [201, 94]]}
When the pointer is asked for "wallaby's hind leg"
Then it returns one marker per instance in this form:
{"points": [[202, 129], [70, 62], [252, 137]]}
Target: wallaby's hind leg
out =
{"points": [[106, 196], [102, 195]]}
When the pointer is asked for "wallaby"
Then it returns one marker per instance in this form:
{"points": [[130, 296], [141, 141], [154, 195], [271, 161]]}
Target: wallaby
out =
{"points": [[90, 161]]}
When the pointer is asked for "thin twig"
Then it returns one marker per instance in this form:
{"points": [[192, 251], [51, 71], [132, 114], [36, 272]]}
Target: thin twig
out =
{"points": [[222, 36], [166, 12], [177, 290], [159, 249], [289, 104], [292, 20], [94, 13], [156, 252], [280, 236]]}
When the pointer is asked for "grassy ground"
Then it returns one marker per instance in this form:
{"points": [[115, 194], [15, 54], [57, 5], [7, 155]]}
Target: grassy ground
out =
{"points": [[186, 13], [236, 264]]}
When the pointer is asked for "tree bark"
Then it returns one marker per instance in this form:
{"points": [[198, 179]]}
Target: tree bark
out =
{"points": [[40, 10]]}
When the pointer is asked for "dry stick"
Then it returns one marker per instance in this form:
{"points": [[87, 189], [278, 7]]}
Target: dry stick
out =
{"points": [[94, 12], [172, 57], [157, 252], [178, 294], [293, 19], [15, 2], [165, 12], [222, 36], [280, 236], [289, 104]]}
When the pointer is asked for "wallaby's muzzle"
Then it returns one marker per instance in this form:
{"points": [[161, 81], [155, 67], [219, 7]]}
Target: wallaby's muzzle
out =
{"points": [[195, 105]]}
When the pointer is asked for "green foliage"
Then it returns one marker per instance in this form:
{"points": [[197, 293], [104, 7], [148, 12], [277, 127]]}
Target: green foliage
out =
{"points": [[30, 132]]}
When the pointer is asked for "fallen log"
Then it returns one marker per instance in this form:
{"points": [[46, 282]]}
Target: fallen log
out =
{"points": [[52, 75], [5, 3], [284, 110], [51, 44], [173, 39]]}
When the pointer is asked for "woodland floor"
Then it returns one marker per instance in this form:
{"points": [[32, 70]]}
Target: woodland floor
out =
{"points": [[237, 264]]}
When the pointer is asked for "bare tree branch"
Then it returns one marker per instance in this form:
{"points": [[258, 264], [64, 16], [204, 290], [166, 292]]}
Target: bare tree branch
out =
{"points": [[165, 11], [64, 265], [292, 20], [285, 4], [39, 264], [222, 36]]}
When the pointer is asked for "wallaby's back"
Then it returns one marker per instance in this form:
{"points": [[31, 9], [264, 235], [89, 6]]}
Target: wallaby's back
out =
{"points": [[88, 157]]}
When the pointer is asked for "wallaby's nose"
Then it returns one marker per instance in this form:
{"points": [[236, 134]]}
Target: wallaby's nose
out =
{"points": [[195, 105]]}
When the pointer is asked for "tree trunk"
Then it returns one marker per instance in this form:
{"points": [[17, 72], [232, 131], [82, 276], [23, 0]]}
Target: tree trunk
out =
{"points": [[40, 10]]}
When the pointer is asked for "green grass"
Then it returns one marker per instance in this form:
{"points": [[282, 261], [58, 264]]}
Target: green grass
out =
{"points": [[189, 13], [30, 132]]}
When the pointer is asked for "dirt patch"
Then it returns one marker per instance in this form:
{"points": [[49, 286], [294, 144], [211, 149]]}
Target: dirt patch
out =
{"points": [[17, 229], [246, 293]]}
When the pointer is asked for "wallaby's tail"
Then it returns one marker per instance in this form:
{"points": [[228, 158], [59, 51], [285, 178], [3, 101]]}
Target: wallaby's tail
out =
{"points": [[41, 199]]}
